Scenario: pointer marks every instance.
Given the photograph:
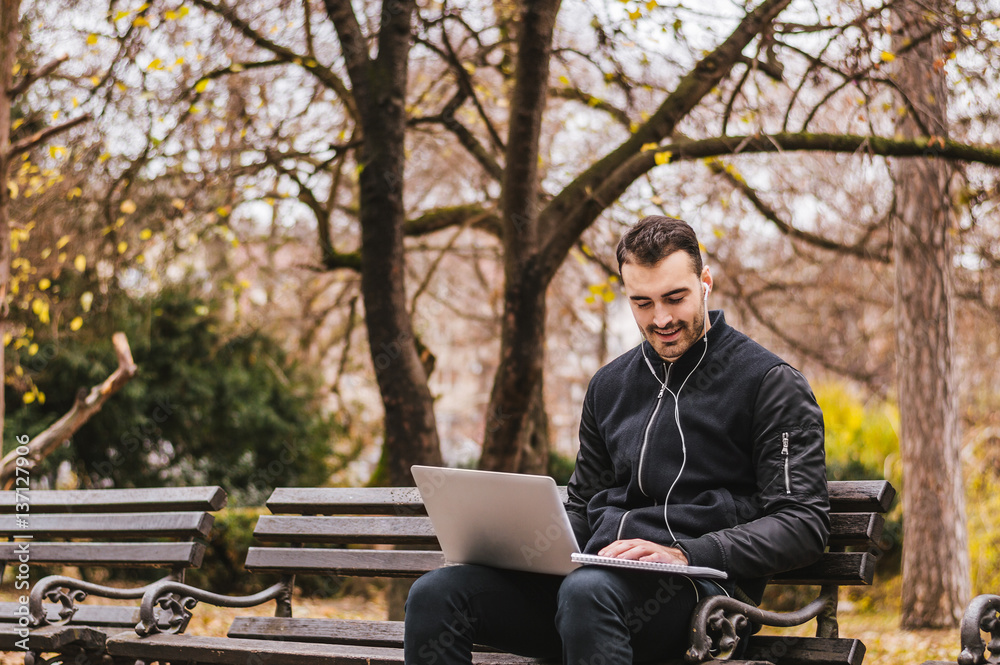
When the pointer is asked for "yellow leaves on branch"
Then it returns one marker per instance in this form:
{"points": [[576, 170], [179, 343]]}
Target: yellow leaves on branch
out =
{"points": [[40, 308], [127, 206], [605, 291], [887, 56], [173, 15], [140, 20]]}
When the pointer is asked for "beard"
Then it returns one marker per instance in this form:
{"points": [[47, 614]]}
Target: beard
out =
{"points": [[682, 336]]}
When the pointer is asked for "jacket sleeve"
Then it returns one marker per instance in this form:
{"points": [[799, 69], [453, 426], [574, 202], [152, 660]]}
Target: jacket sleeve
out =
{"points": [[592, 473], [791, 500]]}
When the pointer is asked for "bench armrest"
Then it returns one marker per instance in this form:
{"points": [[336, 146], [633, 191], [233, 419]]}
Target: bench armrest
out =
{"points": [[717, 622], [981, 615], [67, 591], [176, 600]]}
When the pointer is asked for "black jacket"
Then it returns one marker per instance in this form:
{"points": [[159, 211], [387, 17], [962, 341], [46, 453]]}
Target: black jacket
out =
{"points": [[744, 476]]}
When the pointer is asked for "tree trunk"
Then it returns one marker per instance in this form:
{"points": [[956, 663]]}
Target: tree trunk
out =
{"points": [[379, 89], [10, 37], [935, 554], [517, 408], [513, 441]]}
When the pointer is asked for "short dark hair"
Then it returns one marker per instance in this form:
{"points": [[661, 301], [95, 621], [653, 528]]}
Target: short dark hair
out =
{"points": [[654, 238]]}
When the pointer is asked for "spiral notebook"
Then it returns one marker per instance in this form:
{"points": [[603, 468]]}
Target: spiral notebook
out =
{"points": [[652, 566], [515, 521]]}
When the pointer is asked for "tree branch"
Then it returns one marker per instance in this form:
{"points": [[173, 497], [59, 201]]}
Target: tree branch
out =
{"points": [[465, 84], [465, 137], [441, 218], [352, 44], [29, 142], [575, 208], [575, 94], [85, 406], [858, 249], [31, 76], [519, 195], [324, 74]]}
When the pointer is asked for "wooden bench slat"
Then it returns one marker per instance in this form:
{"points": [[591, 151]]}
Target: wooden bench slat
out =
{"points": [[793, 650], [232, 651], [339, 530], [853, 568], [52, 638], [153, 499], [400, 501], [342, 631], [846, 529], [846, 496], [91, 615], [352, 563], [856, 529], [834, 568], [95, 526], [110, 554], [855, 496]]}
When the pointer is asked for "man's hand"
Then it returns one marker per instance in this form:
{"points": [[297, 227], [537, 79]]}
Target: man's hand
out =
{"points": [[644, 550]]}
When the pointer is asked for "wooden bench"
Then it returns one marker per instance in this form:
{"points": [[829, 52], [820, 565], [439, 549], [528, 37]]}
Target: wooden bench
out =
{"points": [[123, 529], [334, 531]]}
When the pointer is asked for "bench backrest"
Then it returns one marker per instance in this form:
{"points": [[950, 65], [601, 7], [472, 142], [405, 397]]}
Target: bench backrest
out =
{"points": [[309, 528], [161, 527]]}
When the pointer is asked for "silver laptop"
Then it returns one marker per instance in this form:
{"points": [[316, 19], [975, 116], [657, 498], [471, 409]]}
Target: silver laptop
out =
{"points": [[512, 520], [507, 520]]}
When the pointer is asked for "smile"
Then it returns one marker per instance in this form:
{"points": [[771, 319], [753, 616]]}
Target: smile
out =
{"points": [[668, 334]]}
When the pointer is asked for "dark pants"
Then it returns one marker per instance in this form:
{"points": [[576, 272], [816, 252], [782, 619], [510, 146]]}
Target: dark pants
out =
{"points": [[593, 616]]}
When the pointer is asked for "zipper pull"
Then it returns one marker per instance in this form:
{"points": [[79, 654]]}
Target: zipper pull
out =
{"points": [[666, 379], [784, 453]]}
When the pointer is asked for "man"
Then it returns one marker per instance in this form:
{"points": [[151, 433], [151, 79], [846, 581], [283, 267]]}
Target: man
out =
{"points": [[698, 446]]}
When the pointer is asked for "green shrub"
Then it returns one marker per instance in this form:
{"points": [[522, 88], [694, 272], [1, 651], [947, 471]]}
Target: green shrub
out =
{"points": [[862, 444], [207, 406]]}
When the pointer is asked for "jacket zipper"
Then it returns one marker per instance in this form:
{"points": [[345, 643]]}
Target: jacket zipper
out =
{"points": [[784, 453], [621, 525], [649, 426]]}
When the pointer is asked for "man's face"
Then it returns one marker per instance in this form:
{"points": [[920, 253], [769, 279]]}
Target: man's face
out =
{"points": [[667, 301]]}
